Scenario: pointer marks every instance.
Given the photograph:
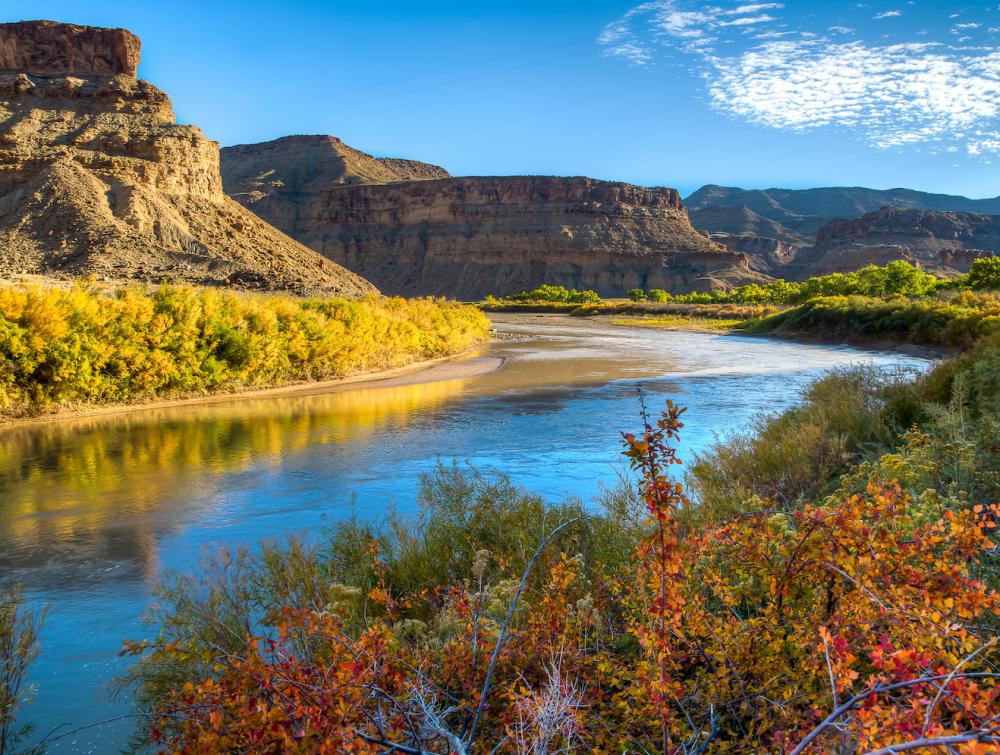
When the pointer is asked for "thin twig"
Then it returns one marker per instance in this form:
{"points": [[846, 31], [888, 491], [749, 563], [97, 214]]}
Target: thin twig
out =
{"points": [[941, 689], [506, 624]]}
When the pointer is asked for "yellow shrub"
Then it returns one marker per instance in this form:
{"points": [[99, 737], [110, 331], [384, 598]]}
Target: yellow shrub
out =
{"points": [[61, 347]]}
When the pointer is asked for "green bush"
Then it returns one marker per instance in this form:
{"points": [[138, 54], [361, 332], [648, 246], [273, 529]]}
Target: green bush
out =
{"points": [[636, 294], [954, 321], [984, 273], [556, 295], [799, 455]]}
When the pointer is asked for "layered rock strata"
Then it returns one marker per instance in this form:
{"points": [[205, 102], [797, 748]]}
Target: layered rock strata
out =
{"points": [[97, 178], [943, 242], [475, 236]]}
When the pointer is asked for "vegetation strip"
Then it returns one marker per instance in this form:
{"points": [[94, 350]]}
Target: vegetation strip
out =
{"points": [[64, 349]]}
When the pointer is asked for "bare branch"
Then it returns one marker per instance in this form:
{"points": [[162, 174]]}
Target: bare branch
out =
{"points": [[943, 687], [506, 624]]}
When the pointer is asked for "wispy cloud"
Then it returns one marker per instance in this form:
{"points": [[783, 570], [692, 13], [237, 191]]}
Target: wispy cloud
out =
{"points": [[892, 94], [888, 14]]}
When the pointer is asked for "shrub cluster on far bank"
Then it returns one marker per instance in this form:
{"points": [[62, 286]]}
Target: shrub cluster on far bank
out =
{"points": [[78, 346], [895, 279], [897, 302], [954, 321]]}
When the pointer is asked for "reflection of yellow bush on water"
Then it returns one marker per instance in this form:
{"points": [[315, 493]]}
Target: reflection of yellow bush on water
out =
{"points": [[72, 480], [77, 346]]}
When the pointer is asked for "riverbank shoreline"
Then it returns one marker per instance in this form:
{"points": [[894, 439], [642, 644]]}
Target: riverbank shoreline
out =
{"points": [[465, 366], [901, 347]]}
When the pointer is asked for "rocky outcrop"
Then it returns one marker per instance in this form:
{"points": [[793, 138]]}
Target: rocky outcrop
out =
{"points": [[740, 221], [470, 237], [765, 255], [961, 259], [300, 165], [48, 48], [96, 177], [943, 242]]}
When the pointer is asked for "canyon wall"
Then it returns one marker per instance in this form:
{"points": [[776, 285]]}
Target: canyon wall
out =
{"points": [[97, 178], [474, 236], [942, 242]]}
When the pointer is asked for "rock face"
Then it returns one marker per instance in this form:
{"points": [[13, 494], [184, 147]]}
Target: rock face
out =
{"points": [[48, 48], [766, 255], [944, 242], [297, 165], [96, 177], [470, 237]]}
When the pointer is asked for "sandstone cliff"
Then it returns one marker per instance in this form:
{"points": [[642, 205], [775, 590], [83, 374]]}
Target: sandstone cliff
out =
{"points": [[470, 237], [96, 177], [943, 242]]}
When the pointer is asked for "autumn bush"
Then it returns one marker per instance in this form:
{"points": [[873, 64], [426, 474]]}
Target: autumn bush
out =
{"points": [[62, 347], [495, 622]]}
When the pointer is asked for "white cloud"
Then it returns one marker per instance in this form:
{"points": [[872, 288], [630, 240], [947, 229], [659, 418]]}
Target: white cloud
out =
{"points": [[894, 94], [755, 8], [748, 20], [890, 93], [984, 145], [888, 14]]}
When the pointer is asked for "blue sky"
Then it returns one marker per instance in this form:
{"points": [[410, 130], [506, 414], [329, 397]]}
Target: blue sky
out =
{"points": [[670, 92]]}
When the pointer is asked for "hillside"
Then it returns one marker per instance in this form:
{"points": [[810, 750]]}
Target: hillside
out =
{"points": [[740, 221], [304, 164], [97, 178]]}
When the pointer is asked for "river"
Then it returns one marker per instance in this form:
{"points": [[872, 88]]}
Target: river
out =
{"points": [[92, 509]]}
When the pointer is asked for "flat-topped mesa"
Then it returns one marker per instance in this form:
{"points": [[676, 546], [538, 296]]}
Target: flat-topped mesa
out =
{"points": [[49, 48], [97, 178], [473, 236]]}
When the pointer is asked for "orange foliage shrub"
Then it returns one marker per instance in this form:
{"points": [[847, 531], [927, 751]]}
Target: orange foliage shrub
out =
{"points": [[834, 628]]}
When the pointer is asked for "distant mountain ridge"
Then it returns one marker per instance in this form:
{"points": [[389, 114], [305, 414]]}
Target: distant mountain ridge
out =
{"points": [[796, 233], [806, 210]]}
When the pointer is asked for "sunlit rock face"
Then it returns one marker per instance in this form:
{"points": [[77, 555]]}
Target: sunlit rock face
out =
{"points": [[413, 232], [97, 178]]}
